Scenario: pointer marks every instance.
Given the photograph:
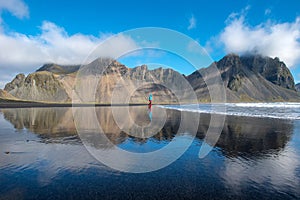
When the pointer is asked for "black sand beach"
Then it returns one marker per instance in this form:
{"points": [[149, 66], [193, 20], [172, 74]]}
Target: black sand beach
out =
{"points": [[43, 157]]}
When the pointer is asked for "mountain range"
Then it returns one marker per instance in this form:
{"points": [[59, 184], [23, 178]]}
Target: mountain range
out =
{"points": [[248, 78]]}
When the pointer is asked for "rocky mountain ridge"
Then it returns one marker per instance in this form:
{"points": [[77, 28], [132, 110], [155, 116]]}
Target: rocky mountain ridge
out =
{"points": [[251, 78], [245, 78]]}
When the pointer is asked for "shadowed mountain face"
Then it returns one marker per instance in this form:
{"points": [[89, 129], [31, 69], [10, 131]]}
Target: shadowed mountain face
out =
{"points": [[273, 70], [246, 78], [239, 134], [251, 78]]}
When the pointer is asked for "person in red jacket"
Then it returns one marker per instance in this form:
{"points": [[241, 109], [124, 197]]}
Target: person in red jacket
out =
{"points": [[150, 100]]}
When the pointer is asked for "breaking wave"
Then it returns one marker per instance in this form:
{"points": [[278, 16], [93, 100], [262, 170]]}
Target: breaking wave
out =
{"points": [[280, 110]]}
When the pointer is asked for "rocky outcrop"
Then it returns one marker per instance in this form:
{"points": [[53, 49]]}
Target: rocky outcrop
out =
{"points": [[16, 83], [38, 86], [250, 78], [246, 78], [118, 84], [273, 70], [96, 82], [160, 82], [5, 95]]}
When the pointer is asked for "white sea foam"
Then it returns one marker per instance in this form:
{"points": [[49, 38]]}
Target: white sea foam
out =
{"points": [[280, 110], [266, 105]]}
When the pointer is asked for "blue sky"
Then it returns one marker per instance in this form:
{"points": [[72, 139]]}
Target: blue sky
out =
{"points": [[35, 32]]}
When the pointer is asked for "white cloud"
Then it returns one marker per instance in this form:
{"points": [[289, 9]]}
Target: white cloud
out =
{"points": [[271, 39], [192, 23], [20, 53], [23, 53], [16, 7]]}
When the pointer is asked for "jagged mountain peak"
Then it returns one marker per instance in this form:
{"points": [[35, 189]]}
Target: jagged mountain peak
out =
{"points": [[246, 78], [15, 83], [95, 66], [103, 66], [271, 69], [250, 78]]}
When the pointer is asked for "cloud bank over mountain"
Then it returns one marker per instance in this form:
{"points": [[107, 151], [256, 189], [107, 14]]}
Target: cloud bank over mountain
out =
{"points": [[268, 38]]}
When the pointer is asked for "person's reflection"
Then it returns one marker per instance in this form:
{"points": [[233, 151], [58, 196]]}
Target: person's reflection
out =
{"points": [[150, 112]]}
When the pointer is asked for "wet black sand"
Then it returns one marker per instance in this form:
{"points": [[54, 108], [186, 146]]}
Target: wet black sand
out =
{"points": [[254, 158]]}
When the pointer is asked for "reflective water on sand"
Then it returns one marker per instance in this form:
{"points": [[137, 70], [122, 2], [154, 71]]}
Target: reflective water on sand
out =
{"points": [[42, 157]]}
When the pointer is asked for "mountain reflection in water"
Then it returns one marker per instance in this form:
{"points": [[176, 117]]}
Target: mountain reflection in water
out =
{"points": [[253, 157], [240, 134]]}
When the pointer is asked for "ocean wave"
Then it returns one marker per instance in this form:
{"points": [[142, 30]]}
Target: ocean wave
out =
{"points": [[265, 105], [289, 111]]}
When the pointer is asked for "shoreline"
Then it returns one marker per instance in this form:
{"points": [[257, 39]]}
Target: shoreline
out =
{"points": [[5, 103], [11, 103], [41, 105]]}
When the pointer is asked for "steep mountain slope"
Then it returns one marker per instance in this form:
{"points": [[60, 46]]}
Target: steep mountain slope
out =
{"points": [[38, 86], [246, 78], [273, 70], [250, 78], [96, 82], [119, 84], [5, 95]]}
